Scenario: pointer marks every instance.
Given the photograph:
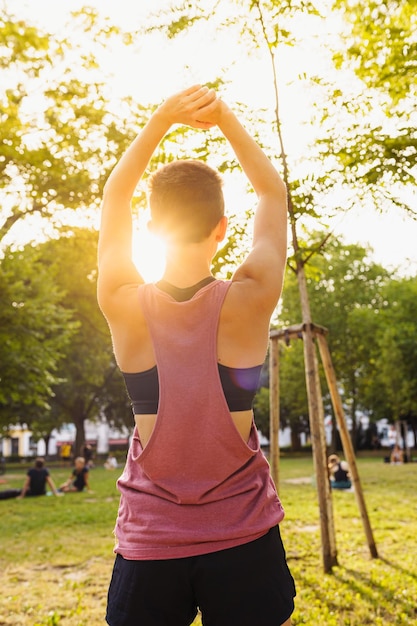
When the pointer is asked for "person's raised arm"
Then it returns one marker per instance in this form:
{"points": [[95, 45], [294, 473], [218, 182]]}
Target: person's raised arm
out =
{"points": [[116, 268], [264, 267]]}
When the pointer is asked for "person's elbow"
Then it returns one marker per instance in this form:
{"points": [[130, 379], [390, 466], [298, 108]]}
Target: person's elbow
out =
{"points": [[275, 188]]}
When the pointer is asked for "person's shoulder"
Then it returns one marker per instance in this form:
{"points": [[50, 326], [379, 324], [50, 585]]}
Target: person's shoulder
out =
{"points": [[117, 304], [257, 299]]}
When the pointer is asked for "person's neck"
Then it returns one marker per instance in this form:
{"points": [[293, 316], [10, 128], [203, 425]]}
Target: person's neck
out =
{"points": [[186, 266]]}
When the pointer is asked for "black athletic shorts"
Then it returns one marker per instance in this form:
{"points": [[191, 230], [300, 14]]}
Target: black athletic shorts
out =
{"points": [[249, 585]]}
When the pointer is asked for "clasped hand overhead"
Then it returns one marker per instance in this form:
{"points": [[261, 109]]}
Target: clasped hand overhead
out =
{"points": [[198, 106]]}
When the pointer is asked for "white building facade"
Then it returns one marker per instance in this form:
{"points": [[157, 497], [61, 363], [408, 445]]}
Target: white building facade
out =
{"points": [[99, 435]]}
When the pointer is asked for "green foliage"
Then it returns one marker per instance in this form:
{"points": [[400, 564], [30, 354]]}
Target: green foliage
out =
{"points": [[376, 142], [293, 393], [397, 345], [56, 359], [371, 322], [254, 21], [261, 410], [24, 42], [35, 329], [381, 42], [90, 382], [59, 158], [55, 156], [59, 137], [376, 160]]}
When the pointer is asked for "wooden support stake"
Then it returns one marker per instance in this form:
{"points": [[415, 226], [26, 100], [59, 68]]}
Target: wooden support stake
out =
{"points": [[274, 410], [346, 440], [316, 414]]}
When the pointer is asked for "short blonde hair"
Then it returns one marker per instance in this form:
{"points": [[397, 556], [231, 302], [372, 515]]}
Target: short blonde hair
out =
{"points": [[186, 200]]}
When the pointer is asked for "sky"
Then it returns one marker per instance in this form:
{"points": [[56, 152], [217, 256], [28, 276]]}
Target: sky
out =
{"points": [[152, 68]]}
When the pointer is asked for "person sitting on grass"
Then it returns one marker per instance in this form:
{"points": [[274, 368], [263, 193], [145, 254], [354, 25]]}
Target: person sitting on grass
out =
{"points": [[339, 473], [397, 455], [111, 462], [35, 484], [78, 480]]}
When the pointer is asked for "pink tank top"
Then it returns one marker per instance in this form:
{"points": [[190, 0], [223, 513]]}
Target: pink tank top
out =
{"points": [[197, 487]]}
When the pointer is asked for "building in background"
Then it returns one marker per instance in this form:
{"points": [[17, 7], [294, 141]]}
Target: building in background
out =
{"points": [[100, 435]]}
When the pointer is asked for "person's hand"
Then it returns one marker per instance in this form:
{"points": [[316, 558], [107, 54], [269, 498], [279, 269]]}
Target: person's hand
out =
{"points": [[214, 113], [191, 107]]}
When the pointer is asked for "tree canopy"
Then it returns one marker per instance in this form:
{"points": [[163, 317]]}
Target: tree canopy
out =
{"points": [[370, 321], [62, 130], [58, 134], [35, 329]]}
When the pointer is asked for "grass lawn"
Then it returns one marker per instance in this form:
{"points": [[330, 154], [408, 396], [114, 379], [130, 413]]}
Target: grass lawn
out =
{"points": [[56, 553]]}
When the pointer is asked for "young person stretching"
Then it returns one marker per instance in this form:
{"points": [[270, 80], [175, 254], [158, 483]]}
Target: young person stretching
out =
{"points": [[198, 519]]}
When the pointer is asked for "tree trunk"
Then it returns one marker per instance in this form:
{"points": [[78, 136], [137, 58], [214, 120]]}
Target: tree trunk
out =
{"points": [[295, 438], [79, 422], [46, 439]]}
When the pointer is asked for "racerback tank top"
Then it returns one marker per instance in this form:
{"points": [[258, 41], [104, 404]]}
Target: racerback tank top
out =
{"points": [[197, 486]]}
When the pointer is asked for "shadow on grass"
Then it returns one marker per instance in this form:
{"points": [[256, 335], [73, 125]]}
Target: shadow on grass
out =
{"points": [[376, 588], [399, 568], [383, 592]]}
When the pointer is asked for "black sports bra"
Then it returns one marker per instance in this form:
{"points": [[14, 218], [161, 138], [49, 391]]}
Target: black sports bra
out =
{"points": [[239, 387]]}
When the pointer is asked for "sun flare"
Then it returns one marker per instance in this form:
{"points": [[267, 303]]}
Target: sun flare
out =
{"points": [[149, 254]]}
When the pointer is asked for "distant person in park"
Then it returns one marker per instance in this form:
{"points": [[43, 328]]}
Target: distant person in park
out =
{"points": [[66, 452], [111, 462], [198, 521], [78, 480], [88, 454], [35, 484], [397, 455], [339, 473]]}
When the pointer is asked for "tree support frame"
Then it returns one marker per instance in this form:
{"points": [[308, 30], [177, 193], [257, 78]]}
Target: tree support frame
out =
{"points": [[310, 334]]}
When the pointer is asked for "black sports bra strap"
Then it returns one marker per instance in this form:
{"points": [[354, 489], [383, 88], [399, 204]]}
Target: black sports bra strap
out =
{"points": [[182, 294]]}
